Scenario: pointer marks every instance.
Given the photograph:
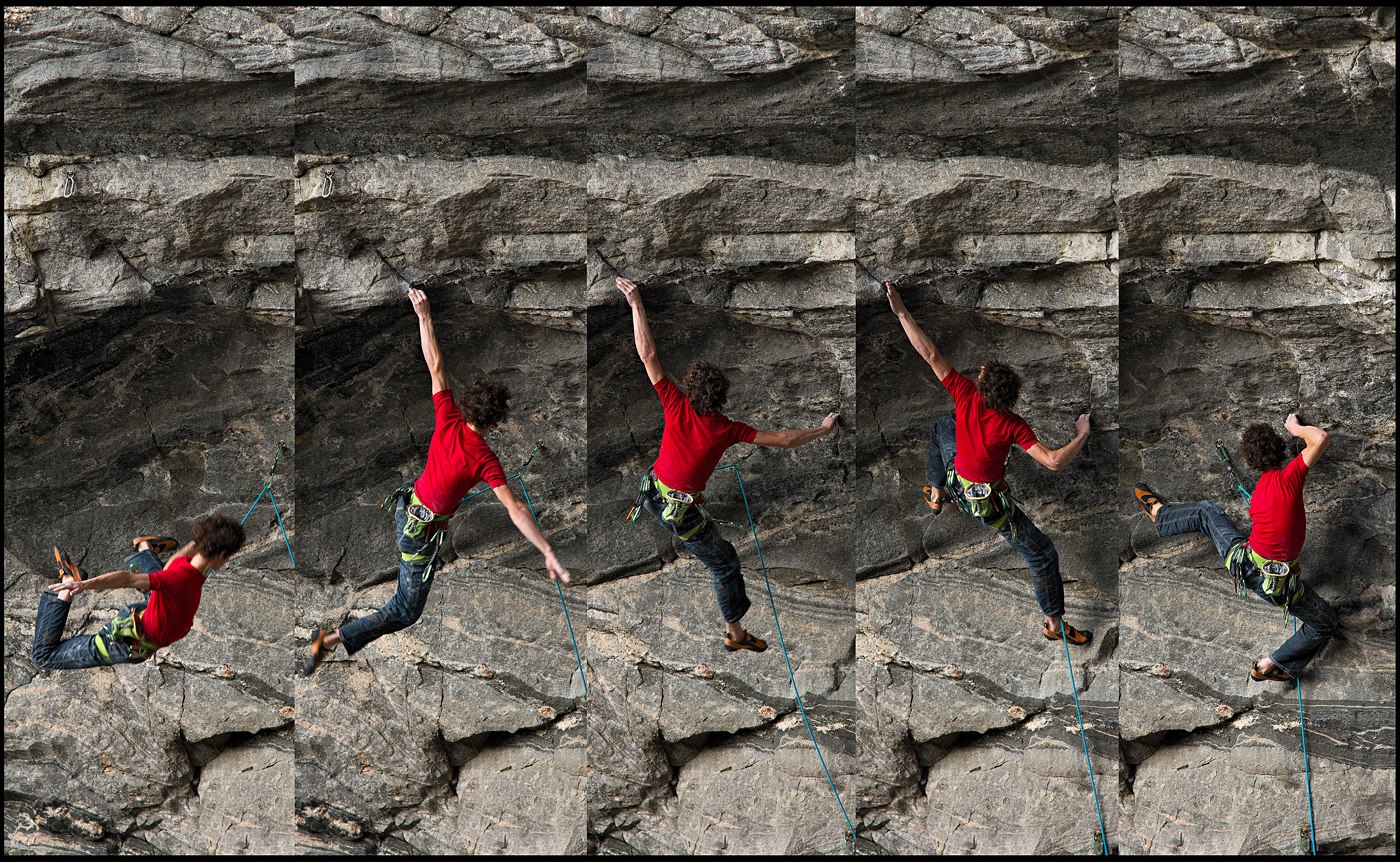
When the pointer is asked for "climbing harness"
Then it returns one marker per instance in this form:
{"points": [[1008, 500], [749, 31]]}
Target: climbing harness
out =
{"points": [[122, 639], [267, 489], [851, 836], [1307, 837], [520, 477], [989, 502], [1093, 786]]}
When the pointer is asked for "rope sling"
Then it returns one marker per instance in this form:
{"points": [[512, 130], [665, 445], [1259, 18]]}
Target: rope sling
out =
{"points": [[267, 489]]}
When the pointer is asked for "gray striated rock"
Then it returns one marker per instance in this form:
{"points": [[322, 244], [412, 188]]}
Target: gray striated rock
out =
{"points": [[1031, 82], [89, 234], [952, 217], [509, 230], [193, 82], [1271, 84], [690, 81], [440, 82]]}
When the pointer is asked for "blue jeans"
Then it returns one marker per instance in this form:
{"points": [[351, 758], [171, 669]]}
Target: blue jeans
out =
{"points": [[51, 652], [415, 581], [710, 548], [1019, 531], [1317, 616]]}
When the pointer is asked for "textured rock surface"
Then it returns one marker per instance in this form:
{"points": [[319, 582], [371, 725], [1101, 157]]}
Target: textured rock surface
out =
{"points": [[1271, 84], [440, 82], [685, 81], [148, 366], [189, 81], [107, 437], [425, 739], [1257, 205], [746, 262], [90, 233], [1032, 82]]}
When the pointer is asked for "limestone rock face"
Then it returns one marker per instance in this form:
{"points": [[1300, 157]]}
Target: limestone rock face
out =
{"points": [[88, 234], [746, 263], [1257, 208], [1273, 85], [105, 439], [689, 81], [189, 81], [440, 82], [1025, 81]]}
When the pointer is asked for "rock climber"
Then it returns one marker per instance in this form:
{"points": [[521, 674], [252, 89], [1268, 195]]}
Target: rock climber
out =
{"points": [[693, 439], [1266, 562], [162, 618], [458, 458], [967, 464]]}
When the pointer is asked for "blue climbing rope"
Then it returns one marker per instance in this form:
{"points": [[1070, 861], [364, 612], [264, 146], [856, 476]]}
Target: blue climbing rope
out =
{"points": [[851, 830], [267, 489], [1307, 771], [560, 590], [519, 477], [1093, 786]]}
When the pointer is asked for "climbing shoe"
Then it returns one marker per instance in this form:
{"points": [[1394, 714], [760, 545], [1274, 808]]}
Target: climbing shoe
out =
{"points": [[1146, 499], [159, 544], [748, 641], [66, 567], [1273, 674], [934, 504], [1072, 634], [319, 653]]}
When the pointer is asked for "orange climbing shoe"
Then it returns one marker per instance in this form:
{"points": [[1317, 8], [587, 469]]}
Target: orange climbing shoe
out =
{"points": [[934, 504], [748, 641], [1147, 499], [159, 544], [319, 653], [1273, 674], [67, 569], [1072, 634]]}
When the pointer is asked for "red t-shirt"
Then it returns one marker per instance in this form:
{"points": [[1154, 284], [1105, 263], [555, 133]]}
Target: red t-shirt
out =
{"points": [[458, 458], [1276, 508], [984, 435], [175, 592], [691, 444]]}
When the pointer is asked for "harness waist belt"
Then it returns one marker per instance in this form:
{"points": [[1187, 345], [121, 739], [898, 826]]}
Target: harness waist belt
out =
{"points": [[1264, 564]]}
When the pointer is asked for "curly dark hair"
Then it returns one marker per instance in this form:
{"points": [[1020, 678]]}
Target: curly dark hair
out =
{"points": [[999, 385], [1262, 448], [485, 403], [217, 534], [706, 386]]}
